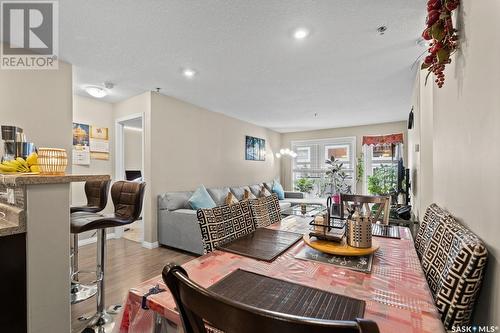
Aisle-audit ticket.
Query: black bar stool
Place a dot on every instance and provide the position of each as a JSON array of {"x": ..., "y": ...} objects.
[
  {"x": 127, "y": 199},
  {"x": 97, "y": 199}
]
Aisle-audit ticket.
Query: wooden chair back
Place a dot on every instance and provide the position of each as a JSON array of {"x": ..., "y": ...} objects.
[
  {"x": 349, "y": 201},
  {"x": 198, "y": 306}
]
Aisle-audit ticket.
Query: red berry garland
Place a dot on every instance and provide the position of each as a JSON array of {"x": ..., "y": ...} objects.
[{"x": 443, "y": 37}]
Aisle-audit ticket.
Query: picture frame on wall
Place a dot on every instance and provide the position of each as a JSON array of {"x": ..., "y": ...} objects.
[{"x": 255, "y": 148}]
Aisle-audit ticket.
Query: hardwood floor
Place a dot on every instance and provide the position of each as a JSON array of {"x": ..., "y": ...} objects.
[{"x": 128, "y": 264}]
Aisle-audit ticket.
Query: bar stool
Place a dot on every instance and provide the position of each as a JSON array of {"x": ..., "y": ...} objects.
[
  {"x": 127, "y": 199},
  {"x": 97, "y": 199}
]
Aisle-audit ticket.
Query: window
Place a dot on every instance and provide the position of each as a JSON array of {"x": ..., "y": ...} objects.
[
  {"x": 310, "y": 163},
  {"x": 381, "y": 162}
]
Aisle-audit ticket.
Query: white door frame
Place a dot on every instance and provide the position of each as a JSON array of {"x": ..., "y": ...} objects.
[{"x": 120, "y": 153}]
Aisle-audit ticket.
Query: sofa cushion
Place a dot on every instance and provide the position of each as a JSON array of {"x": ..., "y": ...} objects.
[
  {"x": 454, "y": 262},
  {"x": 264, "y": 192},
  {"x": 174, "y": 200},
  {"x": 239, "y": 191},
  {"x": 248, "y": 195},
  {"x": 230, "y": 199},
  {"x": 266, "y": 210},
  {"x": 224, "y": 224},
  {"x": 201, "y": 199},
  {"x": 255, "y": 189},
  {"x": 278, "y": 189},
  {"x": 219, "y": 194}
]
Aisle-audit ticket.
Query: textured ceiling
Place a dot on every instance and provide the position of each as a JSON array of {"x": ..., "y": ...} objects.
[{"x": 249, "y": 66}]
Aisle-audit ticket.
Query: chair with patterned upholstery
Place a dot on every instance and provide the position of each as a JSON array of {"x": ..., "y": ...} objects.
[
  {"x": 434, "y": 216},
  {"x": 454, "y": 260},
  {"x": 223, "y": 224},
  {"x": 266, "y": 210}
]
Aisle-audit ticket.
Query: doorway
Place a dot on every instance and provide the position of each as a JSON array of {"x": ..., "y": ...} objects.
[{"x": 129, "y": 164}]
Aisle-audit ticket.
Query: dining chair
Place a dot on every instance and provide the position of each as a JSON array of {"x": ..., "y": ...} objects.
[
  {"x": 454, "y": 261},
  {"x": 223, "y": 224},
  {"x": 199, "y": 307},
  {"x": 266, "y": 210},
  {"x": 349, "y": 201}
]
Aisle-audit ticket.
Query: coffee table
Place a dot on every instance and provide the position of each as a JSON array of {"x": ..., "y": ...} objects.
[{"x": 311, "y": 210}]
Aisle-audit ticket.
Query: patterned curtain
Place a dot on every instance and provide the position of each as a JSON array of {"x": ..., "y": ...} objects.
[{"x": 383, "y": 139}]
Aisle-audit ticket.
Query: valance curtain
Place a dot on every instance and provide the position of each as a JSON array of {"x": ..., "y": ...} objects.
[{"x": 383, "y": 139}]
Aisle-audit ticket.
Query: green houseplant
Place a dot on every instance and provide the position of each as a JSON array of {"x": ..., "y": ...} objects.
[
  {"x": 383, "y": 180},
  {"x": 336, "y": 177},
  {"x": 304, "y": 185}
]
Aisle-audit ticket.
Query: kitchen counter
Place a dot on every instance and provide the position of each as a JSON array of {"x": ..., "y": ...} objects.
[
  {"x": 34, "y": 179},
  {"x": 12, "y": 211},
  {"x": 35, "y": 230},
  {"x": 11, "y": 220}
]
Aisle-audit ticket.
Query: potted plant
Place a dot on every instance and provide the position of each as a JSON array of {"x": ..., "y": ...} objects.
[
  {"x": 304, "y": 185},
  {"x": 336, "y": 179}
]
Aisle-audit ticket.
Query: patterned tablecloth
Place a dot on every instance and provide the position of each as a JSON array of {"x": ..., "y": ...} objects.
[{"x": 396, "y": 293}]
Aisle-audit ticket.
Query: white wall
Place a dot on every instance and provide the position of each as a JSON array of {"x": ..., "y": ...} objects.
[
  {"x": 186, "y": 146},
  {"x": 39, "y": 101},
  {"x": 132, "y": 149},
  {"x": 462, "y": 120},
  {"x": 93, "y": 112},
  {"x": 193, "y": 146},
  {"x": 357, "y": 131}
]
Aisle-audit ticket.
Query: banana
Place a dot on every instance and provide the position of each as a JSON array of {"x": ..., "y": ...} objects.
[
  {"x": 24, "y": 165},
  {"x": 35, "y": 168},
  {"x": 32, "y": 159},
  {"x": 6, "y": 169}
]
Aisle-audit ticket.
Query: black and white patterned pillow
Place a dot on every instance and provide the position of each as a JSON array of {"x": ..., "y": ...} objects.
[
  {"x": 266, "y": 210},
  {"x": 454, "y": 261},
  {"x": 434, "y": 216},
  {"x": 224, "y": 224}
]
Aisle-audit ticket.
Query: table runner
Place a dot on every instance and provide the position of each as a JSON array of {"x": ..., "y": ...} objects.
[
  {"x": 285, "y": 297},
  {"x": 262, "y": 244}
]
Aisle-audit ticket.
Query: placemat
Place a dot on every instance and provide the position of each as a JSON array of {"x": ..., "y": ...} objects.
[
  {"x": 282, "y": 296},
  {"x": 262, "y": 244},
  {"x": 357, "y": 263},
  {"x": 387, "y": 231}
]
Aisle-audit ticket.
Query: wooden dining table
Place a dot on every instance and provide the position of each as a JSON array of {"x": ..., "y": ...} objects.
[{"x": 395, "y": 291}]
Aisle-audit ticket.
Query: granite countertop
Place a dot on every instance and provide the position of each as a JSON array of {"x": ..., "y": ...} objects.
[
  {"x": 12, "y": 220},
  {"x": 31, "y": 179}
]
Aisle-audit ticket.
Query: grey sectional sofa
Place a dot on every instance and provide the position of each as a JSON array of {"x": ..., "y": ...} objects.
[{"x": 177, "y": 221}]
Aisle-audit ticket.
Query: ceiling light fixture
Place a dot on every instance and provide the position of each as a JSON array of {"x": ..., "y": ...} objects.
[
  {"x": 96, "y": 91},
  {"x": 301, "y": 33},
  {"x": 189, "y": 73},
  {"x": 286, "y": 152}
]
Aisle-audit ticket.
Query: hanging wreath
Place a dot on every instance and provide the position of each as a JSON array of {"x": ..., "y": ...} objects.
[{"x": 442, "y": 36}]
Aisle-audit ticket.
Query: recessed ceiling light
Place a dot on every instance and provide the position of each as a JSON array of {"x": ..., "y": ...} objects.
[
  {"x": 188, "y": 72},
  {"x": 382, "y": 29},
  {"x": 301, "y": 33},
  {"x": 96, "y": 91}
]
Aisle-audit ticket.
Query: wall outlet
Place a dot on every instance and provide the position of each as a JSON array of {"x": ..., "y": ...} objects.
[{"x": 417, "y": 147}]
